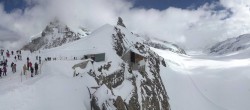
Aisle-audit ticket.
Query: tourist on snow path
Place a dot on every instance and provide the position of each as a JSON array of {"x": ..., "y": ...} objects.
[
  {"x": 12, "y": 52},
  {"x": 2, "y": 52},
  {"x": 1, "y": 72},
  {"x": 15, "y": 58},
  {"x": 31, "y": 70},
  {"x": 11, "y": 65},
  {"x": 4, "y": 71},
  {"x": 14, "y": 68},
  {"x": 30, "y": 65},
  {"x": 39, "y": 59},
  {"x": 8, "y": 54},
  {"x": 36, "y": 68},
  {"x": 24, "y": 69},
  {"x": 6, "y": 62},
  {"x": 28, "y": 62},
  {"x": 28, "y": 59}
]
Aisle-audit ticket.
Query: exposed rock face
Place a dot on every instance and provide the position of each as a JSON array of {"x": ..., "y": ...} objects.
[
  {"x": 148, "y": 91},
  {"x": 119, "y": 104},
  {"x": 55, "y": 34},
  {"x": 120, "y": 22}
]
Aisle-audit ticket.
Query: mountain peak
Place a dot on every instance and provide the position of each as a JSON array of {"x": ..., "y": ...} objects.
[
  {"x": 55, "y": 34},
  {"x": 120, "y": 22}
]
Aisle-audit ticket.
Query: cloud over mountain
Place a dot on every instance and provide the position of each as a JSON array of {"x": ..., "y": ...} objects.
[{"x": 192, "y": 28}]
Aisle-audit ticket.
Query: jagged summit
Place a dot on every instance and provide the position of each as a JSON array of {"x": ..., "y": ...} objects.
[
  {"x": 55, "y": 34},
  {"x": 120, "y": 22}
]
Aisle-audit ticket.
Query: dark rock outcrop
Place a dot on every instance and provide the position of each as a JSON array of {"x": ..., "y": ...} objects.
[{"x": 120, "y": 22}]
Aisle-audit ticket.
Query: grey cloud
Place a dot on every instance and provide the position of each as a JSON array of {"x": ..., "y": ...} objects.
[{"x": 193, "y": 29}]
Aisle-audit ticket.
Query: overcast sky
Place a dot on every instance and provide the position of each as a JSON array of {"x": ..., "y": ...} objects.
[{"x": 194, "y": 25}]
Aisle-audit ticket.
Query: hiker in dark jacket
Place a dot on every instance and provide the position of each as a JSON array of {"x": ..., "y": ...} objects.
[
  {"x": 1, "y": 72},
  {"x": 36, "y": 68},
  {"x": 31, "y": 70},
  {"x": 28, "y": 59},
  {"x": 12, "y": 67},
  {"x": 4, "y": 71}
]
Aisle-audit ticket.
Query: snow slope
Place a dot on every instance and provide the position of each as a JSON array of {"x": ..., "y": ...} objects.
[
  {"x": 231, "y": 45},
  {"x": 207, "y": 83}
]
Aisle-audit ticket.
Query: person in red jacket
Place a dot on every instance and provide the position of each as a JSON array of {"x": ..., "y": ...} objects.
[{"x": 30, "y": 64}]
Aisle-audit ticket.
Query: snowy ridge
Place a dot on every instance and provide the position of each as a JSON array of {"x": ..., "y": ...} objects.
[
  {"x": 231, "y": 45},
  {"x": 55, "y": 34},
  {"x": 118, "y": 85}
]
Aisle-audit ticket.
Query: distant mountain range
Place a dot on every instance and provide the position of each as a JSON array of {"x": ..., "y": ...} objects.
[{"x": 231, "y": 45}]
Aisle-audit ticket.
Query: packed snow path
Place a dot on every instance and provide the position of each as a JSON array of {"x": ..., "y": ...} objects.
[
  {"x": 206, "y": 83},
  {"x": 52, "y": 89}
]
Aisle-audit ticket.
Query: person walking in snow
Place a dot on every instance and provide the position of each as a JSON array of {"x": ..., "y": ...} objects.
[
  {"x": 24, "y": 69},
  {"x": 8, "y": 54},
  {"x": 14, "y": 68},
  {"x": 11, "y": 65},
  {"x": 40, "y": 60},
  {"x": 31, "y": 70},
  {"x": 2, "y": 52},
  {"x": 6, "y": 62},
  {"x": 12, "y": 52},
  {"x": 30, "y": 65},
  {"x": 28, "y": 59},
  {"x": 36, "y": 68},
  {"x": 1, "y": 72},
  {"x": 20, "y": 57},
  {"x": 4, "y": 71},
  {"x": 15, "y": 58}
]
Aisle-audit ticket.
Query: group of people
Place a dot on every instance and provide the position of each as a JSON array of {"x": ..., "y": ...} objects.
[
  {"x": 48, "y": 59},
  {"x": 18, "y": 56},
  {"x": 30, "y": 67},
  {"x": 4, "y": 62}
]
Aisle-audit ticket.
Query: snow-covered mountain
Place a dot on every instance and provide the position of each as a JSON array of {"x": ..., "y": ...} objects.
[
  {"x": 129, "y": 75},
  {"x": 126, "y": 75},
  {"x": 55, "y": 34},
  {"x": 231, "y": 45},
  {"x": 164, "y": 45}
]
